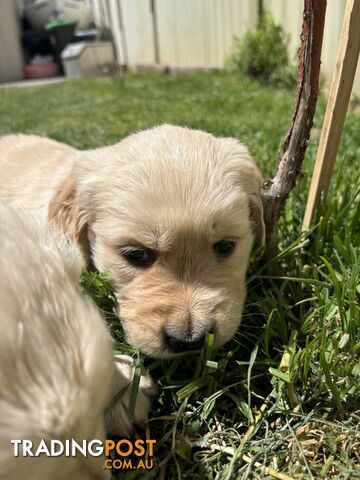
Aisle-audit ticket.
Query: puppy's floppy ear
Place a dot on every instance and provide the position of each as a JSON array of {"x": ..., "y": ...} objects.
[
  {"x": 250, "y": 179},
  {"x": 64, "y": 213}
]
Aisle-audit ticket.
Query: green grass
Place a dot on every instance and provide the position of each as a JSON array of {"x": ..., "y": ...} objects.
[{"x": 310, "y": 426}]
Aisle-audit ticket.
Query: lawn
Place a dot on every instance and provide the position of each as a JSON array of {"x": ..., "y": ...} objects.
[{"x": 282, "y": 399}]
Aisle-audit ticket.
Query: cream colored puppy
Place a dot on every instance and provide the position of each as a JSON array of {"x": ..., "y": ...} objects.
[
  {"x": 57, "y": 371},
  {"x": 171, "y": 213}
]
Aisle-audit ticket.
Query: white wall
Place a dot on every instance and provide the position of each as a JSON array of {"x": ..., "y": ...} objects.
[{"x": 200, "y": 32}]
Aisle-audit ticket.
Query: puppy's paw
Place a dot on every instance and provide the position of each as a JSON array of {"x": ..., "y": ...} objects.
[{"x": 117, "y": 418}]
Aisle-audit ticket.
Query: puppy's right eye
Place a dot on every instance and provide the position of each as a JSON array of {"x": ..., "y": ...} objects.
[
  {"x": 140, "y": 257},
  {"x": 224, "y": 248}
]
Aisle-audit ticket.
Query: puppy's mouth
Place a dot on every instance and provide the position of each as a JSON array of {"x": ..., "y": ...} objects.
[
  {"x": 177, "y": 345},
  {"x": 171, "y": 346}
]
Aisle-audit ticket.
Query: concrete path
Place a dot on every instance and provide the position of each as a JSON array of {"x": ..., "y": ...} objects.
[{"x": 34, "y": 83}]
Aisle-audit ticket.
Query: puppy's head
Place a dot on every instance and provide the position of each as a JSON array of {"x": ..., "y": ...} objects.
[{"x": 172, "y": 214}]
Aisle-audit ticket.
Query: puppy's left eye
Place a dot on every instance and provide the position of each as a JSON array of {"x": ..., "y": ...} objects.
[
  {"x": 140, "y": 257},
  {"x": 224, "y": 248}
]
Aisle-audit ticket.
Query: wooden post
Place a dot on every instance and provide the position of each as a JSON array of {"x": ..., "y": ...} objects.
[
  {"x": 155, "y": 31},
  {"x": 125, "y": 55},
  {"x": 339, "y": 95}
]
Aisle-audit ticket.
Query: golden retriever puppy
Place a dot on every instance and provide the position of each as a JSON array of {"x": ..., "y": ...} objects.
[
  {"x": 57, "y": 370},
  {"x": 171, "y": 213}
]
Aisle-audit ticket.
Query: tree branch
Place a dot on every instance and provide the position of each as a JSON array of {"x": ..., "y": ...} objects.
[{"x": 275, "y": 192}]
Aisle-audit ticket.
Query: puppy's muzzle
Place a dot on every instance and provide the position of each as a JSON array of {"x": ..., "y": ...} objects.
[{"x": 181, "y": 345}]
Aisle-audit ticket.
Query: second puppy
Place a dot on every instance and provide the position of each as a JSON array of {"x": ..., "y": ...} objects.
[{"x": 57, "y": 372}]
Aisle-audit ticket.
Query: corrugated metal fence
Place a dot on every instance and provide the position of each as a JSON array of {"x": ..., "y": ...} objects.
[{"x": 200, "y": 33}]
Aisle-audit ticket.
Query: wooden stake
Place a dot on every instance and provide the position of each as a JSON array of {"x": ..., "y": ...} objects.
[{"x": 339, "y": 95}]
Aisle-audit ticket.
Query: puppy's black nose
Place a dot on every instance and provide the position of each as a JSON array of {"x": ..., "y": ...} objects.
[{"x": 180, "y": 345}]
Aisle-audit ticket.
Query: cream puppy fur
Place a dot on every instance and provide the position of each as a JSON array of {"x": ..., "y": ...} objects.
[
  {"x": 171, "y": 213},
  {"x": 57, "y": 370}
]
